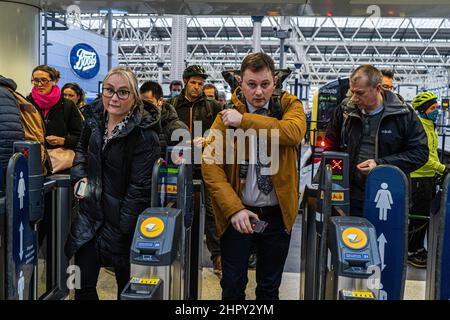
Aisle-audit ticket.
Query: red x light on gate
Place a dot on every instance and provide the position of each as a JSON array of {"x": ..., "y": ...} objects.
[
  {"x": 25, "y": 152},
  {"x": 337, "y": 168},
  {"x": 336, "y": 165}
]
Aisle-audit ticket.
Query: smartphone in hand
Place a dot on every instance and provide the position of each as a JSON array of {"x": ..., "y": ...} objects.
[
  {"x": 81, "y": 190},
  {"x": 258, "y": 226}
]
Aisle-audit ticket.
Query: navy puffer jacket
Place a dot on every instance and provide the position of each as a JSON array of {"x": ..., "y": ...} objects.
[{"x": 10, "y": 126}]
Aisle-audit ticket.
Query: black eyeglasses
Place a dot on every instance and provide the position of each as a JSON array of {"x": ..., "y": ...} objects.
[
  {"x": 121, "y": 93},
  {"x": 36, "y": 81}
]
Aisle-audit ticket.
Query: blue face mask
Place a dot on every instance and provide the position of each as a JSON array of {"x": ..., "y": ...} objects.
[
  {"x": 433, "y": 115},
  {"x": 175, "y": 93}
]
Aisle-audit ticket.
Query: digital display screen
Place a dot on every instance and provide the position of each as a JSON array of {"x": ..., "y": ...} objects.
[{"x": 337, "y": 168}]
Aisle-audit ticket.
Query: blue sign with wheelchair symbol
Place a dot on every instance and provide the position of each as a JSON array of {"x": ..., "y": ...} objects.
[{"x": 386, "y": 207}]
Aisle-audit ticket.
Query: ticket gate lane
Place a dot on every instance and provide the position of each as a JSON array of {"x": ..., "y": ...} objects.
[
  {"x": 311, "y": 202},
  {"x": 438, "y": 271},
  {"x": 324, "y": 214},
  {"x": 332, "y": 266},
  {"x": 172, "y": 186},
  {"x": 386, "y": 207},
  {"x": 21, "y": 218}
]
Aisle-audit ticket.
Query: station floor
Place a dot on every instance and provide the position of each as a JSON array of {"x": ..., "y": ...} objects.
[{"x": 289, "y": 290}]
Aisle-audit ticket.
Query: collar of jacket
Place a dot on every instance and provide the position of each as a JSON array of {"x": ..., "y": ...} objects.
[
  {"x": 392, "y": 106},
  {"x": 145, "y": 115}
]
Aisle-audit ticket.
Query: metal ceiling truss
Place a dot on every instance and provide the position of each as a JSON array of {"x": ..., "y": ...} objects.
[{"x": 326, "y": 47}]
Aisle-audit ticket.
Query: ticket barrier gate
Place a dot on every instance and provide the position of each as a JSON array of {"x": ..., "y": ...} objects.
[
  {"x": 438, "y": 245},
  {"x": 353, "y": 256},
  {"x": 19, "y": 212},
  {"x": 191, "y": 200},
  {"x": 172, "y": 187},
  {"x": 329, "y": 269},
  {"x": 156, "y": 257},
  {"x": 33, "y": 266},
  {"x": 53, "y": 230}
]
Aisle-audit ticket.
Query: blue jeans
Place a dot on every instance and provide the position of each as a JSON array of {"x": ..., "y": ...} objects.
[{"x": 272, "y": 248}]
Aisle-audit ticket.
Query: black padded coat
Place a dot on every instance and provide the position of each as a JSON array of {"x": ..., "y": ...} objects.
[
  {"x": 401, "y": 140},
  {"x": 119, "y": 174},
  {"x": 10, "y": 126}
]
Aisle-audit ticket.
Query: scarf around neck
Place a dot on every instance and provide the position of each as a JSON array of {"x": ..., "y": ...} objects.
[{"x": 46, "y": 101}]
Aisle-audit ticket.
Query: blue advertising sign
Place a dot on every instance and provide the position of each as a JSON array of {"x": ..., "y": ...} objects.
[
  {"x": 386, "y": 207},
  {"x": 84, "y": 61},
  {"x": 21, "y": 238}
]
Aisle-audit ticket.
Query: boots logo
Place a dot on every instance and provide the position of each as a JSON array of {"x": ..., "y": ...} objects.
[{"x": 84, "y": 61}]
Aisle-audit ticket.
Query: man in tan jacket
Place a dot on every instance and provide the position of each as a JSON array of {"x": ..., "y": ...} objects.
[{"x": 255, "y": 185}]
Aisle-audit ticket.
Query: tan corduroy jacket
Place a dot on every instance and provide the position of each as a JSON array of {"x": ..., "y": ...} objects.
[{"x": 223, "y": 181}]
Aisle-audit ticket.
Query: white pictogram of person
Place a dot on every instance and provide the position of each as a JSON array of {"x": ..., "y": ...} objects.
[
  {"x": 383, "y": 199},
  {"x": 21, "y": 285},
  {"x": 21, "y": 190}
]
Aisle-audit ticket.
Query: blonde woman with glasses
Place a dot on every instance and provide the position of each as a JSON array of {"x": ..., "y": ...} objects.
[{"x": 112, "y": 175}]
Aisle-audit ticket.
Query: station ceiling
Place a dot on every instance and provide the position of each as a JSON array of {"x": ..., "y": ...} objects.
[{"x": 337, "y": 8}]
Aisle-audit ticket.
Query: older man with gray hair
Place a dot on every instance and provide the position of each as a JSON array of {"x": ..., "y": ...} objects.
[{"x": 375, "y": 127}]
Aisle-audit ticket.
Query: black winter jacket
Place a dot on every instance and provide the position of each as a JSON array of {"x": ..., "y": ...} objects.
[
  {"x": 119, "y": 175},
  {"x": 169, "y": 123},
  {"x": 63, "y": 120},
  {"x": 401, "y": 139},
  {"x": 10, "y": 126}
]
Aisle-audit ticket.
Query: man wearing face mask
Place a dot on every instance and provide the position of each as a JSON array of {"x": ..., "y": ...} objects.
[
  {"x": 375, "y": 127},
  {"x": 175, "y": 88},
  {"x": 151, "y": 92},
  {"x": 423, "y": 180}
]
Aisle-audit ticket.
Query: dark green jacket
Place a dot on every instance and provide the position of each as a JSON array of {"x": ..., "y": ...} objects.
[{"x": 203, "y": 109}]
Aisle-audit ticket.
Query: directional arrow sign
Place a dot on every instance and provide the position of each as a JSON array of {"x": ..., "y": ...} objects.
[
  {"x": 21, "y": 241},
  {"x": 381, "y": 244}
]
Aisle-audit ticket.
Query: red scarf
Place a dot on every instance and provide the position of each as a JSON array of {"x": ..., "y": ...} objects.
[{"x": 46, "y": 101}]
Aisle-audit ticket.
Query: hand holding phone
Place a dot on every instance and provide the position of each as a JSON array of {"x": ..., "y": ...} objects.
[
  {"x": 258, "y": 226},
  {"x": 81, "y": 188}
]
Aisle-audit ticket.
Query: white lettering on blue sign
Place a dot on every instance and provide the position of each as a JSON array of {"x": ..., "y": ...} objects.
[{"x": 86, "y": 60}]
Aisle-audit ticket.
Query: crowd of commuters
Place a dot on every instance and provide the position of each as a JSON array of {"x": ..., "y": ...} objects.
[{"x": 115, "y": 140}]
